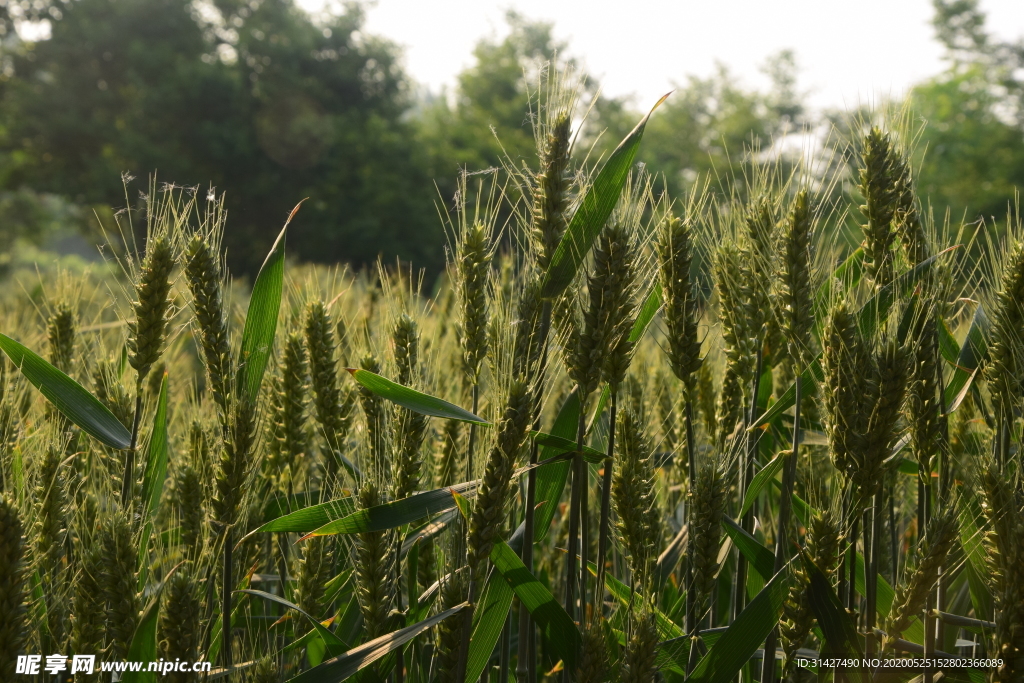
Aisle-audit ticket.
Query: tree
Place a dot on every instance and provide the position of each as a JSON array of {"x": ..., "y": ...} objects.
[{"x": 252, "y": 96}]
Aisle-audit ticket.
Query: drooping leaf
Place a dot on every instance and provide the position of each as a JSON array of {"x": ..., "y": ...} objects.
[
  {"x": 759, "y": 557},
  {"x": 261, "y": 317},
  {"x": 310, "y": 518},
  {"x": 416, "y": 401},
  {"x": 68, "y": 396},
  {"x": 841, "y": 639},
  {"x": 333, "y": 645},
  {"x": 397, "y": 513},
  {"x": 971, "y": 540},
  {"x": 560, "y": 444},
  {"x": 652, "y": 304},
  {"x": 588, "y": 219},
  {"x": 555, "y": 624},
  {"x": 342, "y": 667},
  {"x": 735, "y": 647}
]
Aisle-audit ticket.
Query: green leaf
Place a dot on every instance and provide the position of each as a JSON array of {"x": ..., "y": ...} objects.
[
  {"x": 144, "y": 642},
  {"x": 261, "y": 318},
  {"x": 310, "y": 518},
  {"x": 841, "y": 638},
  {"x": 971, "y": 539},
  {"x": 154, "y": 477},
  {"x": 667, "y": 629},
  {"x": 735, "y": 647},
  {"x": 343, "y": 666},
  {"x": 972, "y": 354},
  {"x": 561, "y": 444},
  {"x": 280, "y": 504},
  {"x": 598, "y": 202},
  {"x": 761, "y": 480},
  {"x": 156, "y": 454},
  {"x": 759, "y": 557},
  {"x": 652, "y": 304},
  {"x": 488, "y": 621},
  {"x": 143, "y": 647},
  {"x": 415, "y": 401},
  {"x": 397, "y": 513},
  {"x": 333, "y": 645},
  {"x": 68, "y": 396},
  {"x": 876, "y": 308},
  {"x": 551, "y": 478},
  {"x": 555, "y": 624}
]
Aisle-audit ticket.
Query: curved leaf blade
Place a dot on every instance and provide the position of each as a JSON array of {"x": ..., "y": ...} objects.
[
  {"x": 741, "y": 640},
  {"x": 598, "y": 202},
  {"x": 348, "y": 664},
  {"x": 261, "y": 317},
  {"x": 310, "y": 518},
  {"x": 397, "y": 513},
  {"x": 68, "y": 396},
  {"x": 488, "y": 622},
  {"x": 416, "y": 401}
]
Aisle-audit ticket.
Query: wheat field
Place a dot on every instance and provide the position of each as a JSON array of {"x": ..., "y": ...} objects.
[{"x": 627, "y": 436}]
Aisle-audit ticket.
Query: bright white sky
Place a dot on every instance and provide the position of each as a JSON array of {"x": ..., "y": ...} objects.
[{"x": 847, "y": 52}]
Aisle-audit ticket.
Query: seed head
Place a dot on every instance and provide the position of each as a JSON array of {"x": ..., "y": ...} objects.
[
  {"x": 180, "y": 626},
  {"x": 473, "y": 264},
  {"x": 492, "y": 497},
  {"x": 14, "y": 627},
  {"x": 203, "y": 273},
  {"x": 639, "y": 661},
  {"x": 912, "y": 594},
  {"x": 879, "y": 184},
  {"x": 633, "y": 492},
  {"x": 551, "y": 191},
  {"x": 681, "y": 312},
  {"x": 118, "y": 582},
  {"x": 375, "y": 568},
  {"x": 60, "y": 332},
  {"x": 147, "y": 333}
]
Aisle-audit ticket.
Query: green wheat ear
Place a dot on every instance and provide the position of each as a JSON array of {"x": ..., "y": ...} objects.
[
  {"x": 708, "y": 497},
  {"x": 633, "y": 492},
  {"x": 912, "y": 593},
  {"x": 879, "y": 185},
  {"x": 205, "y": 281},
  {"x": 179, "y": 626},
  {"x": 411, "y": 427},
  {"x": 313, "y": 574},
  {"x": 492, "y": 496},
  {"x": 374, "y": 568},
  {"x": 1004, "y": 507},
  {"x": 14, "y": 628},
  {"x": 61, "y": 329},
  {"x": 639, "y": 661},
  {"x": 147, "y": 333},
  {"x": 675, "y": 256},
  {"x": 822, "y": 547},
  {"x": 118, "y": 583}
]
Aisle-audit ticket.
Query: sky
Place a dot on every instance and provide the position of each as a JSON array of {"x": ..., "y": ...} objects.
[{"x": 847, "y": 52}]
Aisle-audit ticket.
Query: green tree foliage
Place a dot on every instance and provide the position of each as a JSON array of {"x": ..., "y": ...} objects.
[
  {"x": 253, "y": 96},
  {"x": 971, "y": 150},
  {"x": 483, "y": 121}
]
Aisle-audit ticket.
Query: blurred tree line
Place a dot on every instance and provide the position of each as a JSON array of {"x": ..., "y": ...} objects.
[{"x": 269, "y": 104}]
